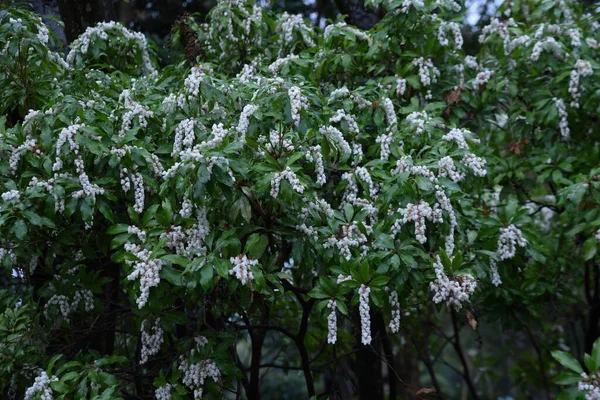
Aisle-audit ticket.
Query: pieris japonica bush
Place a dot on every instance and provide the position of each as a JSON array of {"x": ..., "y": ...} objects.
[{"x": 329, "y": 190}]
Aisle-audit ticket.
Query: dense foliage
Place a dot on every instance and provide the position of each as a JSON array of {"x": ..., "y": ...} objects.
[{"x": 323, "y": 201}]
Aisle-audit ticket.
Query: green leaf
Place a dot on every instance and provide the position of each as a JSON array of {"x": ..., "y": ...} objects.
[
  {"x": 256, "y": 246},
  {"x": 567, "y": 361},
  {"x": 111, "y": 360},
  {"x": 106, "y": 210},
  {"x": 589, "y": 248},
  {"x": 59, "y": 387},
  {"x": 596, "y": 355},
  {"x": 117, "y": 228},
  {"x": 20, "y": 229},
  {"x": 172, "y": 275},
  {"x": 206, "y": 276},
  {"x": 566, "y": 378}
]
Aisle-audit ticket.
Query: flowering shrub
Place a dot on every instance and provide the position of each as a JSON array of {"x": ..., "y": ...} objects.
[{"x": 293, "y": 182}]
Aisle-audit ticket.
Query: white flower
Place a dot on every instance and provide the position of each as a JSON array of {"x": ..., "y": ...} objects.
[
  {"x": 242, "y": 268},
  {"x": 510, "y": 237},
  {"x": 11, "y": 195},
  {"x": 563, "y": 123},
  {"x": 482, "y": 78},
  {"x": 476, "y": 164},
  {"x": 146, "y": 269},
  {"x": 454, "y": 291},
  {"x": 582, "y": 69},
  {"x": 244, "y": 121},
  {"x": 289, "y": 176},
  {"x": 151, "y": 342},
  {"x": 163, "y": 392},
  {"x": 365, "y": 316},
  {"x": 332, "y": 323},
  {"x": 41, "y": 385},
  {"x": 494, "y": 275},
  {"x": 395, "y": 305},
  {"x": 297, "y": 103}
]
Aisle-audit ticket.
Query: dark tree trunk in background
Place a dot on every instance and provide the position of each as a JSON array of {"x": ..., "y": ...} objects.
[
  {"x": 49, "y": 8},
  {"x": 77, "y": 15},
  {"x": 368, "y": 364},
  {"x": 358, "y": 14},
  {"x": 407, "y": 365}
]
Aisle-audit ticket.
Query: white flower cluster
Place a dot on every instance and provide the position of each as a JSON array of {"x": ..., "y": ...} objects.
[
  {"x": 332, "y": 322},
  {"x": 244, "y": 121},
  {"x": 314, "y": 155},
  {"x": 289, "y": 23},
  {"x": 343, "y": 278},
  {"x": 510, "y": 237},
  {"x": 186, "y": 208},
  {"x": 194, "y": 375},
  {"x": 385, "y": 141},
  {"x": 395, "y": 305},
  {"x": 364, "y": 175},
  {"x": 456, "y": 33},
  {"x": 289, "y": 176},
  {"x": 189, "y": 242},
  {"x": 35, "y": 183},
  {"x": 400, "y": 86},
  {"x": 365, "y": 315},
  {"x": 82, "y": 43},
  {"x": 163, "y": 392},
  {"x": 591, "y": 385},
  {"x": 297, "y": 103},
  {"x": 66, "y": 134},
  {"x": 582, "y": 69},
  {"x": 184, "y": 136},
  {"x": 548, "y": 44},
  {"x": 218, "y": 135},
  {"x": 65, "y": 308},
  {"x": 192, "y": 82},
  {"x": 476, "y": 164},
  {"x": 482, "y": 78},
  {"x": 11, "y": 195},
  {"x": 242, "y": 268},
  {"x": 151, "y": 342},
  {"x": 446, "y": 167},
  {"x": 43, "y": 32},
  {"x": 134, "y": 109},
  {"x": 41, "y": 386},
  {"x": 416, "y": 213},
  {"x": 494, "y": 275},
  {"x": 351, "y": 236},
  {"x": 418, "y": 4},
  {"x": 146, "y": 269},
  {"x": 338, "y": 93},
  {"x": 336, "y": 137},
  {"x": 88, "y": 189},
  {"x": 349, "y": 118},
  {"x": 138, "y": 186},
  {"x": 428, "y": 73},
  {"x": 280, "y": 62},
  {"x": 563, "y": 123},
  {"x": 418, "y": 120},
  {"x": 455, "y": 291},
  {"x": 457, "y": 135},
  {"x": 342, "y": 26},
  {"x": 390, "y": 113}
]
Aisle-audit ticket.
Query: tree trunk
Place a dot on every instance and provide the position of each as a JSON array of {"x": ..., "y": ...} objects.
[
  {"x": 49, "y": 8},
  {"x": 358, "y": 14},
  {"x": 368, "y": 366},
  {"x": 77, "y": 15}
]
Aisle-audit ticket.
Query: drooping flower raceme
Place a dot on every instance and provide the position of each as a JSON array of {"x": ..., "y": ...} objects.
[
  {"x": 510, "y": 237},
  {"x": 365, "y": 314},
  {"x": 453, "y": 291},
  {"x": 242, "y": 268}
]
